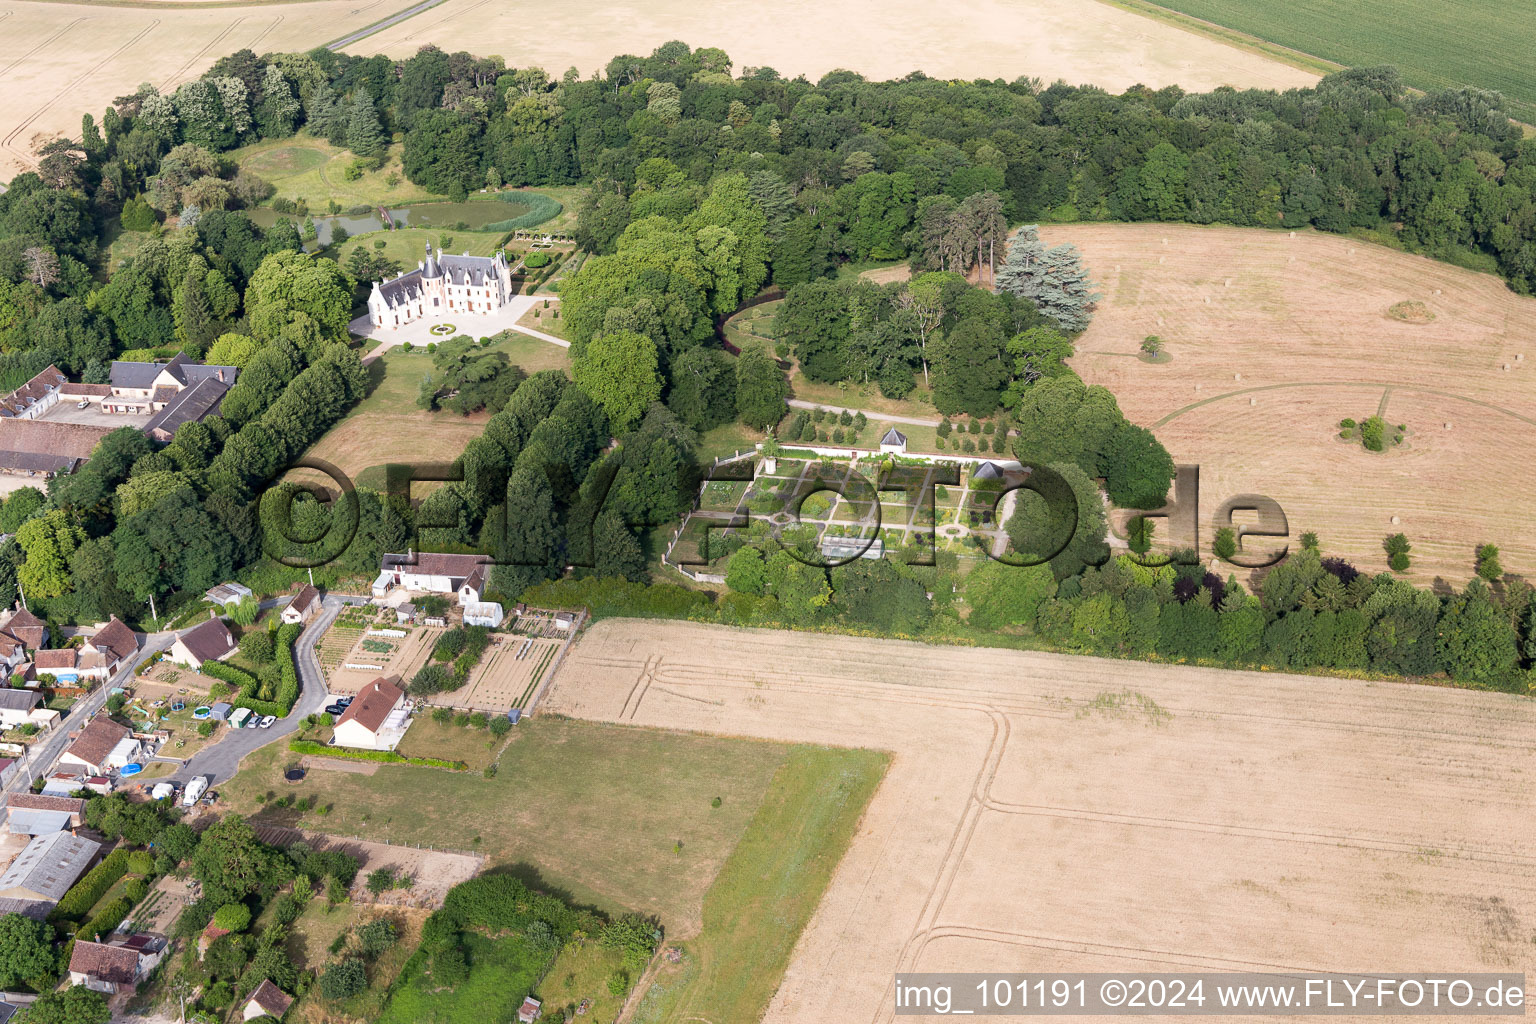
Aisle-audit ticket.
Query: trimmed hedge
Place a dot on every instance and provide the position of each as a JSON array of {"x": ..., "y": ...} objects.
[
  {"x": 83, "y": 895},
  {"x": 247, "y": 685},
  {"x": 383, "y": 756},
  {"x": 106, "y": 919},
  {"x": 540, "y": 209}
]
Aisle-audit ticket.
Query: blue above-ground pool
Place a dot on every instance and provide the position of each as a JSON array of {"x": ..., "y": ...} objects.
[
  {"x": 202, "y": 712},
  {"x": 131, "y": 769}
]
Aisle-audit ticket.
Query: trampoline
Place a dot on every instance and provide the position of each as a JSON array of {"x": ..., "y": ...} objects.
[{"x": 178, "y": 705}]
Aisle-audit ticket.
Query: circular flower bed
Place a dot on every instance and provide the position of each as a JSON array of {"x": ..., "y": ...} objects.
[{"x": 442, "y": 330}]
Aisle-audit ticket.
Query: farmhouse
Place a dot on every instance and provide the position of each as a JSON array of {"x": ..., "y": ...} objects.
[
  {"x": 177, "y": 391},
  {"x": 45, "y": 870},
  {"x": 304, "y": 606},
  {"x": 376, "y": 719},
  {"x": 113, "y": 967},
  {"x": 442, "y": 284},
  {"x": 36, "y": 815},
  {"x": 210, "y": 640},
  {"x": 101, "y": 746},
  {"x": 267, "y": 1001},
  {"x": 464, "y": 575}
]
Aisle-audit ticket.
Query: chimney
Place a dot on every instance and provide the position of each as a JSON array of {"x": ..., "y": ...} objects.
[
  {"x": 221, "y": 374},
  {"x": 213, "y": 613}
]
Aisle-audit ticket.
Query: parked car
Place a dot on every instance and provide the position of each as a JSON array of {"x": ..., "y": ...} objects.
[
  {"x": 266, "y": 723},
  {"x": 253, "y": 722},
  {"x": 82, "y": 403},
  {"x": 335, "y": 709},
  {"x": 344, "y": 702}
]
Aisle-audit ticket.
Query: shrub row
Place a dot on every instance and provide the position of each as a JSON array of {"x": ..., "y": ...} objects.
[
  {"x": 106, "y": 919},
  {"x": 383, "y": 756},
  {"x": 83, "y": 895},
  {"x": 247, "y": 686}
]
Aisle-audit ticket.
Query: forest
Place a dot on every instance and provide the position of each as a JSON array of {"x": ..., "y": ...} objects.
[{"x": 702, "y": 190}]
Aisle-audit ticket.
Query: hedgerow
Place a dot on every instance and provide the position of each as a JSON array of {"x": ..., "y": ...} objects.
[
  {"x": 382, "y": 756},
  {"x": 83, "y": 895}
]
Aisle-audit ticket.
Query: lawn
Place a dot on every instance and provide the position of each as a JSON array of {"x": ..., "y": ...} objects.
[
  {"x": 312, "y": 169},
  {"x": 407, "y": 246},
  {"x": 757, "y": 907},
  {"x": 426, "y": 738},
  {"x": 540, "y": 318},
  {"x": 386, "y": 426},
  {"x": 1481, "y": 43},
  {"x": 595, "y": 812},
  {"x": 501, "y": 965}
]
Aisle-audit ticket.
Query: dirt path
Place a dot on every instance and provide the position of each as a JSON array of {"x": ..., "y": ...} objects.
[{"x": 1046, "y": 812}]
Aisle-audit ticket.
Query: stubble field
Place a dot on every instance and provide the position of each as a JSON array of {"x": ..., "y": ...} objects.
[
  {"x": 1082, "y": 43},
  {"x": 1045, "y": 812},
  {"x": 59, "y": 61},
  {"x": 1273, "y": 339}
]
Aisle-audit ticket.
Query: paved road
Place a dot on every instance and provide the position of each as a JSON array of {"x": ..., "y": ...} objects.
[
  {"x": 222, "y": 759},
  {"x": 41, "y": 757},
  {"x": 379, "y": 26},
  {"x": 873, "y": 417}
]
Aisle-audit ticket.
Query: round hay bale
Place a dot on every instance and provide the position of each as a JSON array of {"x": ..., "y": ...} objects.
[
  {"x": 1253, "y": 401},
  {"x": 1506, "y": 367},
  {"x": 1197, "y": 387},
  {"x": 1207, "y": 300},
  {"x": 1447, "y": 426},
  {"x": 1395, "y": 520},
  {"x": 1237, "y": 376},
  {"x": 1519, "y": 357},
  {"x": 1293, "y": 234}
]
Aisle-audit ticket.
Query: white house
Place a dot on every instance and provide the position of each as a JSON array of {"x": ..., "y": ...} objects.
[
  {"x": 100, "y": 747},
  {"x": 304, "y": 606},
  {"x": 16, "y": 706},
  {"x": 434, "y": 573},
  {"x": 35, "y": 397},
  {"x": 209, "y": 640},
  {"x": 441, "y": 285},
  {"x": 267, "y": 1001},
  {"x": 376, "y": 719},
  {"x": 116, "y": 966}
]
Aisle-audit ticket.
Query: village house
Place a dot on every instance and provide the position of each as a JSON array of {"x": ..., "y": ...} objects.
[
  {"x": 376, "y": 720},
  {"x": 434, "y": 573},
  {"x": 267, "y": 1001},
  {"x": 114, "y": 644},
  {"x": 101, "y": 746},
  {"x": 442, "y": 284},
  {"x": 116, "y": 966},
  {"x": 209, "y": 640},
  {"x": 304, "y": 606},
  {"x": 9, "y": 768},
  {"x": 16, "y": 706},
  {"x": 35, "y": 397},
  {"x": 66, "y": 784},
  {"x": 44, "y": 871},
  {"x": 37, "y": 815},
  {"x": 23, "y": 626}
]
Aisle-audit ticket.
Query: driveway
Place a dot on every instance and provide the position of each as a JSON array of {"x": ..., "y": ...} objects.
[
  {"x": 222, "y": 759},
  {"x": 478, "y": 325},
  {"x": 915, "y": 421}
]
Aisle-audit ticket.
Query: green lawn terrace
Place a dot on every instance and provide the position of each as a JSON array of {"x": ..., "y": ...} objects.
[{"x": 850, "y": 505}]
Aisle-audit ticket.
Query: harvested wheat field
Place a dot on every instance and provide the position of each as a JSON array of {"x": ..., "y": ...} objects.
[
  {"x": 1273, "y": 338},
  {"x": 1084, "y": 43},
  {"x": 1046, "y": 812},
  {"x": 59, "y": 61}
]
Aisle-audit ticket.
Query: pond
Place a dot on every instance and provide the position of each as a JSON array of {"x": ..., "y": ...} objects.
[{"x": 453, "y": 216}]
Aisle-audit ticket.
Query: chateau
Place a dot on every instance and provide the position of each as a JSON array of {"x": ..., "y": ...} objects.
[{"x": 440, "y": 285}]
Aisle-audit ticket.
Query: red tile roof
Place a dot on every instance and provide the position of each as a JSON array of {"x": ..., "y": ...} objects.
[
  {"x": 116, "y": 637},
  {"x": 51, "y": 661},
  {"x": 106, "y": 963},
  {"x": 272, "y": 1000},
  {"x": 97, "y": 740},
  {"x": 372, "y": 704}
]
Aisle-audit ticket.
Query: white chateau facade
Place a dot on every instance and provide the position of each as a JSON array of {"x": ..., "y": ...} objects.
[{"x": 442, "y": 284}]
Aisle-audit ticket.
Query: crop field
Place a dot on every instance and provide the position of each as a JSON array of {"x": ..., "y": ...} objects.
[
  {"x": 1046, "y": 812},
  {"x": 1273, "y": 339},
  {"x": 1050, "y": 39},
  {"x": 1481, "y": 43},
  {"x": 59, "y": 60}
]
